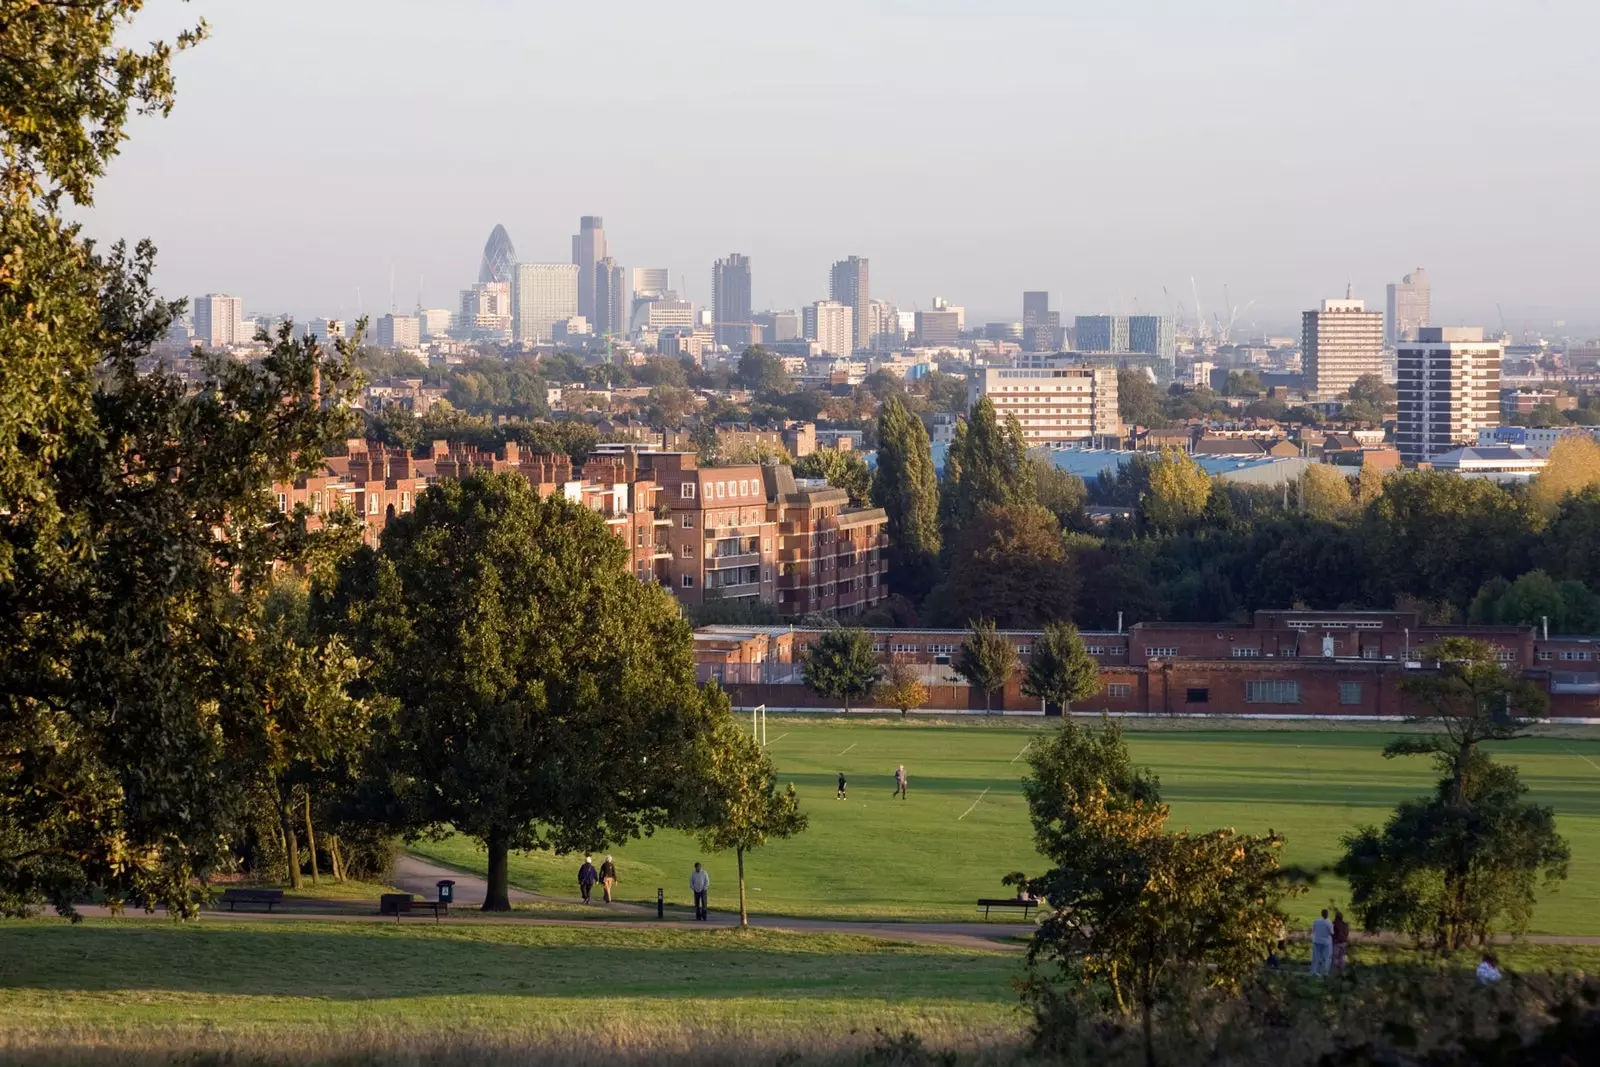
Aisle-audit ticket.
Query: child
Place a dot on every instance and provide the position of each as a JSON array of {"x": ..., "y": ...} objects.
[{"x": 840, "y": 795}]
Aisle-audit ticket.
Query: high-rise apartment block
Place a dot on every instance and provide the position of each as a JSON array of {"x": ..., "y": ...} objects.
[
  {"x": 486, "y": 311},
  {"x": 219, "y": 320},
  {"x": 399, "y": 331},
  {"x": 1100, "y": 333},
  {"x": 883, "y": 326},
  {"x": 434, "y": 322},
  {"x": 940, "y": 325},
  {"x": 832, "y": 325},
  {"x": 1154, "y": 335},
  {"x": 1054, "y": 405},
  {"x": 546, "y": 293},
  {"x": 611, "y": 298},
  {"x": 1410, "y": 305},
  {"x": 1338, "y": 344},
  {"x": 1041, "y": 327},
  {"x": 730, "y": 301},
  {"x": 1449, "y": 388},
  {"x": 588, "y": 249},
  {"x": 847, "y": 284}
]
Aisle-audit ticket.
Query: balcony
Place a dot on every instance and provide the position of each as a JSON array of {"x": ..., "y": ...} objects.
[{"x": 733, "y": 559}]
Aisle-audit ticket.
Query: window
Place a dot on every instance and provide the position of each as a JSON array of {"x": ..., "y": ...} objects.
[
  {"x": 1575, "y": 655},
  {"x": 639, "y": 543},
  {"x": 943, "y": 650},
  {"x": 1544, "y": 655},
  {"x": 686, "y": 490},
  {"x": 1505, "y": 655},
  {"x": 1023, "y": 650},
  {"x": 688, "y": 522},
  {"x": 877, "y": 649},
  {"x": 688, "y": 581},
  {"x": 1272, "y": 692},
  {"x": 1289, "y": 650},
  {"x": 1372, "y": 652},
  {"x": 1197, "y": 696},
  {"x": 405, "y": 501},
  {"x": 1161, "y": 652},
  {"x": 1119, "y": 690},
  {"x": 766, "y": 575},
  {"x": 721, "y": 488},
  {"x": 1095, "y": 650},
  {"x": 1349, "y": 693},
  {"x": 902, "y": 648},
  {"x": 283, "y": 502},
  {"x": 766, "y": 544},
  {"x": 688, "y": 552},
  {"x": 372, "y": 503},
  {"x": 1244, "y": 652},
  {"x": 744, "y": 487}
]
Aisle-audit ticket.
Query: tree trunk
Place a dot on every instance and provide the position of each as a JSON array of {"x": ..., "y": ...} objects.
[
  {"x": 291, "y": 848},
  {"x": 498, "y": 897},
  {"x": 1149, "y": 1036},
  {"x": 311, "y": 839},
  {"x": 335, "y": 859},
  {"x": 744, "y": 913}
]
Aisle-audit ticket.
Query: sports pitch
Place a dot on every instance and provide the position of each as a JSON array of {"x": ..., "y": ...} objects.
[{"x": 965, "y": 823}]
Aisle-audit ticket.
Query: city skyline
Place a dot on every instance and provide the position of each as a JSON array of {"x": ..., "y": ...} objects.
[{"x": 1197, "y": 172}]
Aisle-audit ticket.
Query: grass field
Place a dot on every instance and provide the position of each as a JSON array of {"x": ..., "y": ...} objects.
[{"x": 965, "y": 823}]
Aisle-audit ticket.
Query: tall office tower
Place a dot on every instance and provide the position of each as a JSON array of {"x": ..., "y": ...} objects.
[
  {"x": 883, "y": 326},
  {"x": 399, "y": 331},
  {"x": 651, "y": 282},
  {"x": 588, "y": 249},
  {"x": 499, "y": 258},
  {"x": 1410, "y": 304},
  {"x": 847, "y": 285},
  {"x": 1449, "y": 390},
  {"x": 485, "y": 312},
  {"x": 435, "y": 322},
  {"x": 832, "y": 325},
  {"x": 1154, "y": 335},
  {"x": 1100, "y": 333},
  {"x": 938, "y": 326},
  {"x": 326, "y": 330},
  {"x": 218, "y": 320},
  {"x": 1037, "y": 333},
  {"x": 610, "y": 298},
  {"x": 546, "y": 293},
  {"x": 730, "y": 301},
  {"x": 778, "y": 325},
  {"x": 1053, "y": 404},
  {"x": 1338, "y": 344},
  {"x": 664, "y": 314}
]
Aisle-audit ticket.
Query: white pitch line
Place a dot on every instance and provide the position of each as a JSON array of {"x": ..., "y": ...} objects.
[
  {"x": 1019, "y": 754},
  {"x": 1585, "y": 759},
  {"x": 964, "y": 814},
  {"x": 852, "y": 745},
  {"x": 775, "y": 740}
]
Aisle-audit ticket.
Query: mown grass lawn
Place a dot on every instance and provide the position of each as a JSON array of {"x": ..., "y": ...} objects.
[{"x": 965, "y": 823}]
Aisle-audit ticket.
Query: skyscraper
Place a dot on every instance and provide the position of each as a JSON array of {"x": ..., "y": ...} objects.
[
  {"x": 499, "y": 258},
  {"x": 546, "y": 293},
  {"x": 1449, "y": 388},
  {"x": 730, "y": 301},
  {"x": 831, "y": 324},
  {"x": 218, "y": 320},
  {"x": 1154, "y": 335},
  {"x": 1100, "y": 333},
  {"x": 486, "y": 312},
  {"x": 588, "y": 249},
  {"x": 650, "y": 282},
  {"x": 611, "y": 304},
  {"x": 847, "y": 285},
  {"x": 1338, "y": 344},
  {"x": 1038, "y": 333},
  {"x": 1410, "y": 305}
]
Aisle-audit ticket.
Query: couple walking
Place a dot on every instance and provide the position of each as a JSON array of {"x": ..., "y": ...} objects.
[{"x": 588, "y": 876}]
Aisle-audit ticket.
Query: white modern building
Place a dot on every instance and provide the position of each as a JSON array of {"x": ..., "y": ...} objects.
[
  {"x": 219, "y": 321},
  {"x": 399, "y": 331},
  {"x": 546, "y": 293},
  {"x": 434, "y": 322},
  {"x": 1449, "y": 389},
  {"x": 1506, "y": 464},
  {"x": 1340, "y": 342},
  {"x": 832, "y": 325},
  {"x": 486, "y": 311},
  {"x": 1053, "y": 405},
  {"x": 1536, "y": 439}
]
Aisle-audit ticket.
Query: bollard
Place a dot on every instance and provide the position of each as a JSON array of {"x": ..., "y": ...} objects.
[{"x": 661, "y": 903}]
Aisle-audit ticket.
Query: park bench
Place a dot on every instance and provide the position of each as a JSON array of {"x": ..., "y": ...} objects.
[
  {"x": 269, "y": 897},
  {"x": 1026, "y": 904},
  {"x": 400, "y": 904}
]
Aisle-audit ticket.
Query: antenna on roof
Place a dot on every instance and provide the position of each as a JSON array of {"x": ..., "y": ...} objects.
[{"x": 1349, "y": 290}]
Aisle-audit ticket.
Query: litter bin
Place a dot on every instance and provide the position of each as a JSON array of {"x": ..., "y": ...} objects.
[{"x": 447, "y": 892}]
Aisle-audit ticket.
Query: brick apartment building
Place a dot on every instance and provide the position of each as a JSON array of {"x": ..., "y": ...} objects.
[
  {"x": 1310, "y": 663},
  {"x": 730, "y": 532}
]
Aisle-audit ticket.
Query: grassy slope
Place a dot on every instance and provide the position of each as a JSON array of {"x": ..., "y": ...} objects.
[
  {"x": 250, "y": 976},
  {"x": 929, "y": 857}
]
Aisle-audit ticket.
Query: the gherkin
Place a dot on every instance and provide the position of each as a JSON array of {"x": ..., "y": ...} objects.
[{"x": 499, "y": 258}]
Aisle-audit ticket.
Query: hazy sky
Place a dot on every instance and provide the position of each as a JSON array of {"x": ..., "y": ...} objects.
[{"x": 970, "y": 149}]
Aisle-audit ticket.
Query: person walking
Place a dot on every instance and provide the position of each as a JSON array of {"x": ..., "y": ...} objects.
[
  {"x": 699, "y": 885},
  {"x": 1321, "y": 944},
  {"x": 608, "y": 877},
  {"x": 840, "y": 794},
  {"x": 587, "y": 877},
  {"x": 1489, "y": 969},
  {"x": 900, "y": 782},
  {"x": 1341, "y": 942}
]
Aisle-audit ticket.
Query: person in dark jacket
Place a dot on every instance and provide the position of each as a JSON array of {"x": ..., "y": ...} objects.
[
  {"x": 840, "y": 794},
  {"x": 608, "y": 877},
  {"x": 587, "y": 877}
]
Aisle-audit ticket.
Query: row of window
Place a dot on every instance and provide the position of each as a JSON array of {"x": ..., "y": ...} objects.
[{"x": 721, "y": 490}]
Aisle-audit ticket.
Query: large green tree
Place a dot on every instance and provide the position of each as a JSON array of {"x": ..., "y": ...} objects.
[
  {"x": 986, "y": 466},
  {"x": 841, "y": 470},
  {"x": 1439, "y": 537},
  {"x": 986, "y": 660},
  {"x": 544, "y": 698},
  {"x": 1060, "y": 669},
  {"x": 1008, "y": 565},
  {"x": 841, "y": 665},
  {"x": 907, "y": 488}
]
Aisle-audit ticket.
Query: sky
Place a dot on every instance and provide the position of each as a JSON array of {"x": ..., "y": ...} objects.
[{"x": 1121, "y": 154}]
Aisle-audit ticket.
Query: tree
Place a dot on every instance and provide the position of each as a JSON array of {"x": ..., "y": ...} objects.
[
  {"x": 1061, "y": 493},
  {"x": 1137, "y": 402},
  {"x": 1135, "y": 911},
  {"x": 1008, "y": 565},
  {"x": 842, "y": 470},
  {"x": 1371, "y": 389},
  {"x": 1178, "y": 490},
  {"x": 841, "y": 665},
  {"x": 1243, "y": 383},
  {"x": 740, "y": 805},
  {"x": 544, "y": 697},
  {"x": 669, "y": 405},
  {"x": 986, "y": 466},
  {"x": 1534, "y": 600},
  {"x": 1325, "y": 492},
  {"x": 902, "y": 687},
  {"x": 1060, "y": 669},
  {"x": 907, "y": 488},
  {"x": 1573, "y": 466},
  {"x": 1439, "y": 537},
  {"x": 1567, "y": 548},
  {"x": 762, "y": 372},
  {"x": 946, "y": 392},
  {"x": 986, "y": 660}
]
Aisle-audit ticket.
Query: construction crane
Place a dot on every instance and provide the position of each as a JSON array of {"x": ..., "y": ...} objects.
[{"x": 1200, "y": 331}]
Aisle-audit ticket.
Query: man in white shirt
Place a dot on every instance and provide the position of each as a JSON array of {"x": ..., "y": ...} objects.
[
  {"x": 699, "y": 884},
  {"x": 1321, "y": 944}
]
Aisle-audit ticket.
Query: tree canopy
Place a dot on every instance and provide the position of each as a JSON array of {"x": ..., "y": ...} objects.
[
  {"x": 986, "y": 660},
  {"x": 841, "y": 665},
  {"x": 907, "y": 489}
]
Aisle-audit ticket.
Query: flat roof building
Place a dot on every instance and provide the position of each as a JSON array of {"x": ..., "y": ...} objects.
[
  {"x": 1053, "y": 405},
  {"x": 1449, "y": 390},
  {"x": 1340, "y": 342}
]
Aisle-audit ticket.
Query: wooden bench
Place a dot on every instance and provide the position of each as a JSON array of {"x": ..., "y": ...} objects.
[
  {"x": 269, "y": 897},
  {"x": 399, "y": 904},
  {"x": 1026, "y": 904}
]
